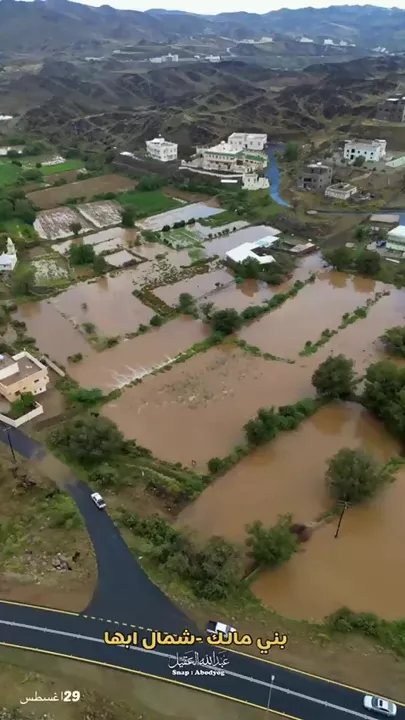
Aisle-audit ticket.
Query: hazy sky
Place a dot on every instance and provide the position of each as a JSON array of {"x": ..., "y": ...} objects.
[{"x": 216, "y": 6}]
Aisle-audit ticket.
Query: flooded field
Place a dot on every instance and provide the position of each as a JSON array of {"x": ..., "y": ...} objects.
[
  {"x": 54, "y": 334},
  {"x": 55, "y": 224},
  {"x": 108, "y": 303},
  {"x": 198, "y": 409},
  {"x": 123, "y": 237},
  {"x": 131, "y": 359},
  {"x": 197, "y": 286},
  {"x": 221, "y": 245},
  {"x": 81, "y": 189},
  {"x": 195, "y": 210},
  {"x": 287, "y": 475},
  {"x": 316, "y": 307},
  {"x": 342, "y": 572},
  {"x": 120, "y": 258},
  {"x": 101, "y": 214}
]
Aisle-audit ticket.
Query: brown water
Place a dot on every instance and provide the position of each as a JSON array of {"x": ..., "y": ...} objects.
[
  {"x": 196, "y": 286},
  {"x": 54, "y": 334},
  {"x": 317, "y": 306},
  {"x": 125, "y": 362},
  {"x": 198, "y": 409},
  {"x": 110, "y": 305}
]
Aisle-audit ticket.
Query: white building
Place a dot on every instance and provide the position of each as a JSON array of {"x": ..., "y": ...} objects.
[
  {"x": 225, "y": 157},
  {"x": 254, "y": 250},
  {"x": 340, "y": 191},
  {"x": 396, "y": 239},
  {"x": 305, "y": 40},
  {"x": 161, "y": 149},
  {"x": 212, "y": 58},
  {"x": 254, "y": 182},
  {"x": 8, "y": 259},
  {"x": 247, "y": 141},
  {"x": 371, "y": 150}
]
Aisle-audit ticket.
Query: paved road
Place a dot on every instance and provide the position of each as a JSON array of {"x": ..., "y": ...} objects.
[
  {"x": 245, "y": 679},
  {"x": 125, "y": 598}
]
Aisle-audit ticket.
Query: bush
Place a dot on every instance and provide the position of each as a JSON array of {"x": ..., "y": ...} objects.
[
  {"x": 335, "y": 378},
  {"x": 156, "y": 320},
  {"x": 89, "y": 440},
  {"x": 81, "y": 254},
  {"x": 394, "y": 340},
  {"x": 225, "y": 321},
  {"x": 273, "y": 546}
]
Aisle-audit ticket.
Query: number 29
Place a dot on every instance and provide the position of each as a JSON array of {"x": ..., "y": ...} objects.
[{"x": 70, "y": 695}]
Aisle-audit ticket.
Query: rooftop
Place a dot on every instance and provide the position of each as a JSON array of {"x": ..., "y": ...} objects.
[
  {"x": 340, "y": 186},
  {"x": 160, "y": 141},
  {"x": 26, "y": 366},
  {"x": 6, "y": 361},
  {"x": 371, "y": 143},
  {"x": 319, "y": 165},
  {"x": 253, "y": 250},
  {"x": 223, "y": 147},
  {"x": 398, "y": 232}
]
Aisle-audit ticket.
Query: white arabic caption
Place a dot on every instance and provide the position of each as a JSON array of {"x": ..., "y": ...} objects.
[{"x": 65, "y": 696}]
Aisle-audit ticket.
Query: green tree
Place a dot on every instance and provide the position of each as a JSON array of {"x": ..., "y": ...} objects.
[
  {"x": 75, "y": 227},
  {"x": 353, "y": 476},
  {"x": 24, "y": 210},
  {"x": 215, "y": 569},
  {"x": 86, "y": 398},
  {"x": 384, "y": 395},
  {"x": 128, "y": 216},
  {"x": 361, "y": 232},
  {"x": 81, "y": 254},
  {"x": 335, "y": 378},
  {"x": 6, "y": 210},
  {"x": 32, "y": 175},
  {"x": 23, "y": 280},
  {"x": 186, "y": 303},
  {"x": 100, "y": 265},
  {"x": 340, "y": 258},
  {"x": 359, "y": 161},
  {"x": 148, "y": 235},
  {"x": 273, "y": 546},
  {"x": 90, "y": 440},
  {"x": 291, "y": 151},
  {"x": 150, "y": 182},
  {"x": 394, "y": 340},
  {"x": 368, "y": 263},
  {"x": 263, "y": 427},
  {"x": 226, "y": 321},
  {"x": 22, "y": 404}
]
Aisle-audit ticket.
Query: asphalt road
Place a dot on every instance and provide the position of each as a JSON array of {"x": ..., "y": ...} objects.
[
  {"x": 125, "y": 598},
  {"x": 245, "y": 679}
]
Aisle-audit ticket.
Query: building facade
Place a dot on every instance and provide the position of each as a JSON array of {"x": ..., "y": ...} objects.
[
  {"x": 315, "y": 177},
  {"x": 258, "y": 250},
  {"x": 371, "y": 150},
  {"x": 340, "y": 191},
  {"x": 224, "y": 157},
  {"x": 8, "y": 259},
  {"x": 254, "y": 182},
  {"x": 392, "y": 110},
  {"x": 161, "y": 149},
  {"x": 248, "y": 141},
  {"x": 396, "y": 239},
  {"x": 22, "y": 373}
]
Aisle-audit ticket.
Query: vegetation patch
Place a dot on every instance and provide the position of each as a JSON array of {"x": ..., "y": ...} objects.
[
  {"x": 147, "y": 203},
  {"x": 67, "y": 165}
]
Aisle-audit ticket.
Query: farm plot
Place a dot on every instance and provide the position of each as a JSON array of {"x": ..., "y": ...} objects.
[
  {"x": 187, "y": 212},
  {"x": 117, "y": 237},
  {"x": 148, "y": 203},
  {"x": 180, "y": 238},
  {"x": 48, "y": 271},
  {"x": 199, "y": 286},
  {"x": 83, "y": 189},
  {"x": 56, "y": 224},
  {"x": 101, "y": 214},
  {"x": 120, "y": 258}
]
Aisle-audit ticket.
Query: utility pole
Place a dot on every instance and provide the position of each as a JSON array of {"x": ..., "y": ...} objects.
[
  {"x": 344, "y": 508},
  {"x": 7, "y": 430},
  {"x": 272, "y": 679}
]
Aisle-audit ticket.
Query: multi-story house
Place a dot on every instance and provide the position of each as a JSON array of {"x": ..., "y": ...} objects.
[
  {"x": 371, "y": 150},
  {"x": 315, "y": 177},
  {"x": 392, "y": 109},
  {"x": 161, "y": 149}
]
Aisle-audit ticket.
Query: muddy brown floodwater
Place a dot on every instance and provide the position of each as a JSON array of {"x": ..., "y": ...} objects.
[
  {"x": 317, "y": 306},
  {"x": 197, "y": 286},
  {"x": 198, "y": 409},
  {"x": 288, "y": 476},
  {"x": 108, "y": 303}
]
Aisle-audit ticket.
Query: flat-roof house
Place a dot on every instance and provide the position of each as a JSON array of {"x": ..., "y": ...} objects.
[
  {"x": 392, "y": 109},
  {"x": 315, "y": 176},
  {"x": 225, "y": 157},
  {"x": 8, "y": 259},
  {"x": 396, "y": 239},
  {"x": 161, "y": 149},
  {"x": 371, "y": 150},
  {"x": 22, "y": 373},
  {"x": 247, "y": 141},
  {"x": 340, "y": 191},
  {"x": 254, "y": 250},
  {"x": 255, "y": 182}
]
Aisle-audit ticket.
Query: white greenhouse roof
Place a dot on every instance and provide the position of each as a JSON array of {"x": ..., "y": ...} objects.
[{"x": 398, "y": 232}]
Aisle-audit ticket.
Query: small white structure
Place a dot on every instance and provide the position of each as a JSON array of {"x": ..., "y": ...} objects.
[
  {"x": 161, "y": 149},
  {"x": 305, "y": 40},
  {"x": 371, "y": 150},
  {"x": 254, "y": 182},
  {"x": 212, "y": 58},
  {"x": 8, "y": 259},
  {"x": 253, "y": 250},
  {"x": 247, "y": 141},
  {"x": 396, "y": 239},
  {"x": 6, "y": 117},
  {"x": 340, "y": 191}
]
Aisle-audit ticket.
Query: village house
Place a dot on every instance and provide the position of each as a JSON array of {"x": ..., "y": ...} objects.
[
  {"x": 8, "y": 259},
  {"x": 340, "y": 191},
  {"x": 161, "y": 149},
  {"x": 315, "y": 177},
  {"x": 371, "y": 150},
  {"x": 392, "y": 110},
  {"x": 257, "y": 250},
  {"x": 396, "y": 239},
  {"x": 255, "y": 182},
  {"x": 248, "y": 141},
  {"x": 224, "y": 157},
  {"x": 22, "y": 373}
]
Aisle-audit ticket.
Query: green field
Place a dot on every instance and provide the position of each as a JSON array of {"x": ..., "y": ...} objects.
[
  {"x": 148, "y": 203},
  {"x": 223, "y": 218},
  {"x": 8, "y": 173},
  {"x": 73, "y": 164}
]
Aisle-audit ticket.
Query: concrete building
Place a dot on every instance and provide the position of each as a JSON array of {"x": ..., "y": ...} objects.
[
  {"x": 254, "y": 182},
  {"x": 224, "y": 157},
  {"x": 8, "y": 259},
  {"x": 248, "y": 141},
  {"x": 340, "y": 191},
  {"x": 257, "y": 250},
  {"x": 371, "y": 150},
  {"x": 396, "y": 239},
  {"x": 22, "y": 373},
  {"x": 161, "y": 149},
  {"x": 392, "y": 109},
  {"x": 315, "y": 176}
]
